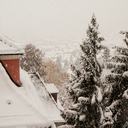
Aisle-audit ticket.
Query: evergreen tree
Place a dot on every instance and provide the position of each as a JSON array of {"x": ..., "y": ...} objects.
[
  {"x": 100, "y": 97},
  {"x": 114, "y": 81},
  {"x": 32, "y": 60},
  {"x": 115, "y": 86},
  {"x": 126, "y": 36},
  {"x": 66, "y": 65},
  {"x": 106, "y": 54},
  {"x": 71, "y": 59},
  {"x": 84, "y": 87},
  {"x": 77, "y": 62},
  {"x": 58, "y": 63}
]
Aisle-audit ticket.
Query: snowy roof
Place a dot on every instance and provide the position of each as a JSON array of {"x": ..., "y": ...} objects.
[
  {"x": 20, "y": 106},
  {"x": 8, "y": 46},
  {"x": 51, "y": 88},
  {"x": 48, "y": 102}
]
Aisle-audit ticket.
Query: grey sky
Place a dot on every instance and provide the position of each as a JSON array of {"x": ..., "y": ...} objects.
[{"x": 25, "y": 19}]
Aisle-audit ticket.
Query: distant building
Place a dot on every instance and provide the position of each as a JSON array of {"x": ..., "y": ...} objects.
[
  {"x": 20, "y": 105},
  {"x": 51, "y": 88}
]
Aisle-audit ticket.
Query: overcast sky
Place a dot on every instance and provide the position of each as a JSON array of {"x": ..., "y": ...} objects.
[{"x": 23, "y": 19}]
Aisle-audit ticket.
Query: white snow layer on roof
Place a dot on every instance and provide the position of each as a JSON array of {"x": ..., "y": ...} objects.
[
  {"x": 51, "y": 88},
  {"x": 8, "y": 46},
  {"x": 48, "y": 102},
  {"x": 20, "y": 106}
]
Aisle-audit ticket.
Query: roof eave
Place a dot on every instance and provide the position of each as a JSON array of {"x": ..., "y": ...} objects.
[{"x": 10, "y": 56}]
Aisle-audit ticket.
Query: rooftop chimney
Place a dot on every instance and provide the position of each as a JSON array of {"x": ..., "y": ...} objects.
[{"x": 10, "y": 53}]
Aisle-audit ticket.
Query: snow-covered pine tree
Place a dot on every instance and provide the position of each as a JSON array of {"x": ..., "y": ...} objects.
[
  {"x": 106, "y": 54},
  {"x": 32, "y": 60},
  {"x": 66, "y": 65},
  {"x": 114, "y": 82},
  {"x": 58, "y": 63},
  {"x": 126, "y": 37},
  {"x": 84, "y": 87}
]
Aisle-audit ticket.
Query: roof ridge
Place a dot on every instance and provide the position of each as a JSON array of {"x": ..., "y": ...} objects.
[{"x": 9, "y": 45}]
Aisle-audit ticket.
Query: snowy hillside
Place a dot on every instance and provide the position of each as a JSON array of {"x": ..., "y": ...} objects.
[{"x": 67, "y": 49}]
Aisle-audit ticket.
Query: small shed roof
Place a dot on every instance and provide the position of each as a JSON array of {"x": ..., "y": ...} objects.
[
  {"x": 8, "y": 46},
  {"x": 51, "y": 88}
]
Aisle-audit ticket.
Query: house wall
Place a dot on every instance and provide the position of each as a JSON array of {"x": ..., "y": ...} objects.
[
  {"x": 59, "y": 124},
  {"x": 54, "y": 95},
  {"x": 12, "y": 68}
]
